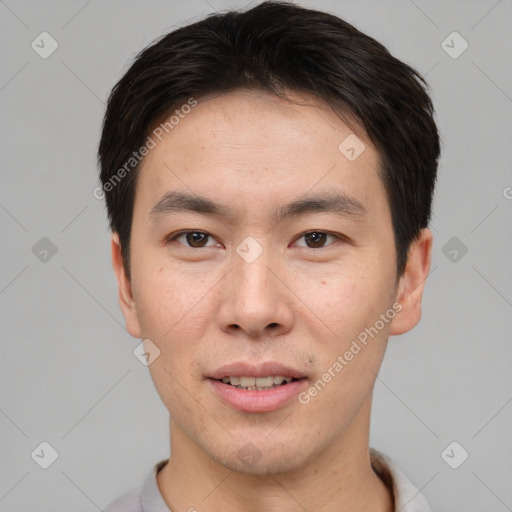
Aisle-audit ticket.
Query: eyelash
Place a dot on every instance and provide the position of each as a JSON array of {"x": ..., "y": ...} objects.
[{"x": 175, "y": 236}]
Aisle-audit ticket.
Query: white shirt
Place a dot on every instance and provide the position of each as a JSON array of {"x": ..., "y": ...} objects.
[{"x": 148, "y": 498}]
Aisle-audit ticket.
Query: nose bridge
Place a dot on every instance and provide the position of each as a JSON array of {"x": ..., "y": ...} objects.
[
  {"x": 253, "y": 278},
  {"x": 256, "y": 299}
]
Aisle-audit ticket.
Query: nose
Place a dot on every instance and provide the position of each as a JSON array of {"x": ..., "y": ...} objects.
[{"x": 256, "y": 299}]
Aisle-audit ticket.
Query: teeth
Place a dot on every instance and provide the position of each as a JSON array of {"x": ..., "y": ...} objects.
[
  {"x": 264, "y": 382},
  {"x": 235, "y": 381},
  {"x": 257, "y": 382},
  {"x": 247, "y": 381}
]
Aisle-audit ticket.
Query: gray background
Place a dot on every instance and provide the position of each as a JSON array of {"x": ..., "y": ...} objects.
[{"x": 68, "y": 375}]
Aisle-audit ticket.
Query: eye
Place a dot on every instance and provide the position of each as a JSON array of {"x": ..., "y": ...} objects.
[
  {"x": 194, "y": 239},
  {"x": 317, "y": 239},
  {"x": 199, "y": 239}
]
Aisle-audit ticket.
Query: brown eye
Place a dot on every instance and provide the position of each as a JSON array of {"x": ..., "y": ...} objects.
[
  {"x": 193, "y": 239},
  {"x": 196, "y": 239},
  {"x": 317, "y": 239}
]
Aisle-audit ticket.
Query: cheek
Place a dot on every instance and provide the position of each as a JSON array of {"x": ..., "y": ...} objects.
[
  {"x": 176, "y": 312},
  {"x": 173, "y": 316},
  {"x": 349, "y": 302},
  {"x": 349, "y": 298},
  {"x": 166, "y": 296}
]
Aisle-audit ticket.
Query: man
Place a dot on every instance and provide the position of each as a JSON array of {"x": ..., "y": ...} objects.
[{"x": 269, "y": 176}]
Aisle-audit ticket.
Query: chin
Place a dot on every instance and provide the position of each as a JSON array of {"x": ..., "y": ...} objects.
[{"x": 261, "y": 459}]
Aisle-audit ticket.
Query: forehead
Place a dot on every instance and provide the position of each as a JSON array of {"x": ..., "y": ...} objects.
[
  {"x": 244, "y": 119},
  {"x": 259, "y": 147}
]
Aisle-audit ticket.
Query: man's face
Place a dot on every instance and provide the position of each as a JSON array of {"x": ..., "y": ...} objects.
[{"x": 255, "y": 288}]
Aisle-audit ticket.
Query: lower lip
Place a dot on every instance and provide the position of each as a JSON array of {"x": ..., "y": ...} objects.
[{"x": 258, "y": 401}]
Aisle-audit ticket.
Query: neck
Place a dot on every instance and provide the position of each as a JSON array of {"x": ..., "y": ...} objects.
[{"x": 339, "y": 477}]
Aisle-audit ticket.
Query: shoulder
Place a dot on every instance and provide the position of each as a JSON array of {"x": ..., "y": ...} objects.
[
  {"x": 145, "y": 498},
  {"x": 129, "y": 502}
]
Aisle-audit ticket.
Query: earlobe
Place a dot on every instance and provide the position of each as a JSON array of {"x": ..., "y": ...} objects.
[
  {"x": 412, "y": 284},
  {"x": 126, "y": 298}
]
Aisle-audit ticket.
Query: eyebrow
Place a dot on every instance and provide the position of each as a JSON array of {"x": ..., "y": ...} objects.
[{"x": 338, "y": 203}]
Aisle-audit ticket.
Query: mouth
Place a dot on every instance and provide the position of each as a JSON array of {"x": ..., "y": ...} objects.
[
  {"x": 257, "y": 394},
  {"x": 257, "y": 387},
  {"x": 258, "y": 383}
]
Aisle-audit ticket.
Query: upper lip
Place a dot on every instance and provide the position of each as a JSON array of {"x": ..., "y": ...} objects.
[{"x": 265, "y": 369}]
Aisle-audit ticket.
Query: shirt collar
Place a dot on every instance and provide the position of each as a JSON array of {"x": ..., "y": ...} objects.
[
  {"x": 407, "y": 497},
  {"x": 152, "y": 499}
]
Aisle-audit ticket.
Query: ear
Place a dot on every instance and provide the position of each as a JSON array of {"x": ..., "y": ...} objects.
[
  {"x": 126, "y": 300},
  {"x": 412, "y": 283}
]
